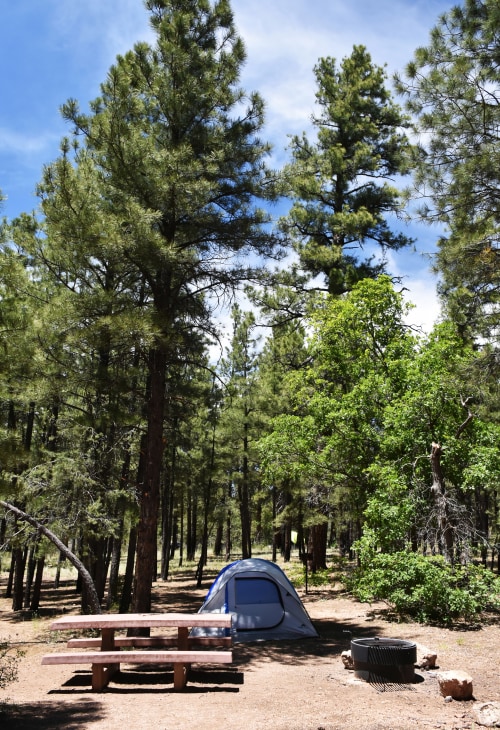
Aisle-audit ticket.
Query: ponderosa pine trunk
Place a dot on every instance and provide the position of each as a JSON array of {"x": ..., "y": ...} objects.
[
  {"x": 149, "y": 489},
  {"x": 318, "y": 535}
]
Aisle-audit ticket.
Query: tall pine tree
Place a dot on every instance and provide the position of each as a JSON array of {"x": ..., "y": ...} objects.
[
  {"x": 173, "y": 142},
  {"x": 342, "y": 183},
  {"x": 452, "y": 86}
]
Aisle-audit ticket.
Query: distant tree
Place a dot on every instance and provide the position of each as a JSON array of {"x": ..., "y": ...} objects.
[
  {"x": 89, "y": 332},
  {"x": 322, "y": 448},
  {"x": 342, "y": 184},
  {"x": 452, "y": 88},
  {"x": 440, "y": 442},
  {"x": 241, "y": 419},
  {"x": 94, "y": 603},
  {"x": 284, "y": 352},
  {"x": 388, "y": 431}
]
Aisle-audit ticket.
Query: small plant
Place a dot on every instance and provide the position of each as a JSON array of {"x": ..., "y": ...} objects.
[
  {"x": 8, "y": 664},
  {"x": 297, "y": 576}
]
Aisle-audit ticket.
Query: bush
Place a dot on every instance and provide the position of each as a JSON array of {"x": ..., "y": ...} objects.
[
  {"x": 8, "y": 664},
  {"x": 425, "y": 588}
]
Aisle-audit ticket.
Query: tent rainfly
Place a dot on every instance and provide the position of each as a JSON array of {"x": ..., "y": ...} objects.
[{"x": 265, "y": 604}]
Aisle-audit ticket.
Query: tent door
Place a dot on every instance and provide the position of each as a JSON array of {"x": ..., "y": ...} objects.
[{"x": 257, "y": 603}]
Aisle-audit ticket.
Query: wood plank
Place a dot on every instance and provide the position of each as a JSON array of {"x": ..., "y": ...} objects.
[
  {"x": 83, "y": 643},
  {"x": 140, "y": 620},
  {"x": 128, "y": 641},
  {"x": 139, "y": 657}
]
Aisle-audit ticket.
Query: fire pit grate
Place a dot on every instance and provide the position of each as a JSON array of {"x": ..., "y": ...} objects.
[{"x": 380, "y": 661}]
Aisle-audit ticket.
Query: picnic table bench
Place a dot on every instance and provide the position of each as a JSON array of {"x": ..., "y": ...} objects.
[{"x": 113, "y": 650}]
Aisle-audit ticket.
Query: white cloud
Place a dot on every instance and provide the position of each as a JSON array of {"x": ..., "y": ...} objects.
[
  {"x": 109, "y": 27},
  {"x": 12, "y": 142}
]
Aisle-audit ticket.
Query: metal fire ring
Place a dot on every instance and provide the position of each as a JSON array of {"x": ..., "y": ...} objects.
[{"x": 381, "y": 660}]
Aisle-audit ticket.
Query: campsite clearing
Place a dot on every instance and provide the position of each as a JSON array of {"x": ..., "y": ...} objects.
[{"x": 275, "y": 685}]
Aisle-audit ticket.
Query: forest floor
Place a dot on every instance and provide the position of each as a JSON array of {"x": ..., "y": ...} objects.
[{"x": 300, "y": 685}]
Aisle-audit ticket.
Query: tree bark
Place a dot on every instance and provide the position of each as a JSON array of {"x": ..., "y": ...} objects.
[
  {"x": 128, "y": 580},
  {"x": 149, "y": 489},
  {"x": 19, "y": 556},
  {"x": 438, "y": 490},
  {"x": 318, "y": 535},
  {"x": 37, "y": 585}
]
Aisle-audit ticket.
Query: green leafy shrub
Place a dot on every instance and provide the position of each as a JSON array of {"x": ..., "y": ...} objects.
[{"x": 425, "y": 588}]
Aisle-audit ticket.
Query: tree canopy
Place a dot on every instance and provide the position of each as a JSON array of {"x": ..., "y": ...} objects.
[
  {"x": 342, "y": 184},
  {"x": 329, "y": 425},
  {"x": 452, "y": 88}
]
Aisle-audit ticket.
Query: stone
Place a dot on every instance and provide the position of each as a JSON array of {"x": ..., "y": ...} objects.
[
  {"x": 426, "y": 658},
  {"x": 455, "y": 683},
  {"x": 347, "y": 659},
  {"x": 426, "y": 661},
  {"x": 487, "y": 713}
]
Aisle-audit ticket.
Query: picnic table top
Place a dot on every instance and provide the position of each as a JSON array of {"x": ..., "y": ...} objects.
[{"x": 137, "y": 620}]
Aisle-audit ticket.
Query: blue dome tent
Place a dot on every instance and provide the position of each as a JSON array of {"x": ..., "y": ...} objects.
[{"x": 265, "y": 604}]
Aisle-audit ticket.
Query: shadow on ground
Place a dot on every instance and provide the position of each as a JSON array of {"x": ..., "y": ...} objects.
[
  {"x": 334, "y": 638},
  {"x": 51, "y": 716},
  {"x": 147, "y": 679}
]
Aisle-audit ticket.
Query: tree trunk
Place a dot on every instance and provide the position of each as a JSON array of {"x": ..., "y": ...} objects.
[
  {"x": 10, "y": 579},
  {"x": 30, "y": 573},
  {"x": 19, "y": 566},
  {"x": 128, "y": 579},
  {"x": 192, "y": 521},
  {"x": 438, "y": 490},
  {"x": 94, "y": 604},
  {"x": 318, "y": 537},
  {"x": 97, "y": 563},
  {"x": 219, "y": 534},
  {"x": 114, "y": 570},
  {"x": 149, "y": 489},
  {"x": 244, "y": 499},
  {"x": 37, "y": 585},
  {"x": 207, "y": 498},
  {"x": 167, "y": 509},
  {"x": 275, "y": 531},
  {"x": 3, "y": 531},
  {"x": 57, "y": 577},
  {"x": 229, "y": 539}
]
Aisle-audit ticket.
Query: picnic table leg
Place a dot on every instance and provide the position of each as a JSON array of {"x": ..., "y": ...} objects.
[
  {"x": 102, "y": 673},
  {"x": 180, "y": 675},
  {"x": 107, "y": 639},
  {"x": 181, "y": 670}
]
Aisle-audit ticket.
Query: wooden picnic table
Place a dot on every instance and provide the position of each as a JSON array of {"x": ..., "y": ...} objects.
[{"x": 106, "y": 661}]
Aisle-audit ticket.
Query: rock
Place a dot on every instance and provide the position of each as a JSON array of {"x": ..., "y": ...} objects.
[
  {"x": 426, "y": 661},
  {"x": 347, "y": 659},
  {"x": 456, "y": 684},
  {"x": 426, "y": 658},
  {"x": 487, "y": 713}
]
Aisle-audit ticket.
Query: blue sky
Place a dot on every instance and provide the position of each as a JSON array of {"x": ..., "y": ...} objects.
[{"x": 57, "y": 49}]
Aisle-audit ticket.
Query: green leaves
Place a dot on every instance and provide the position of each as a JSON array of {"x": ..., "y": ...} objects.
[
  {"x": 426, "y": 588},
  {"x": 452, "y": 86},
  {"x": 339, "y": 184}
]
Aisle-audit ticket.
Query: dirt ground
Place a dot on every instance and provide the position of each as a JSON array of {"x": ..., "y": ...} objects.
[{"x": 299, "y": 685}]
